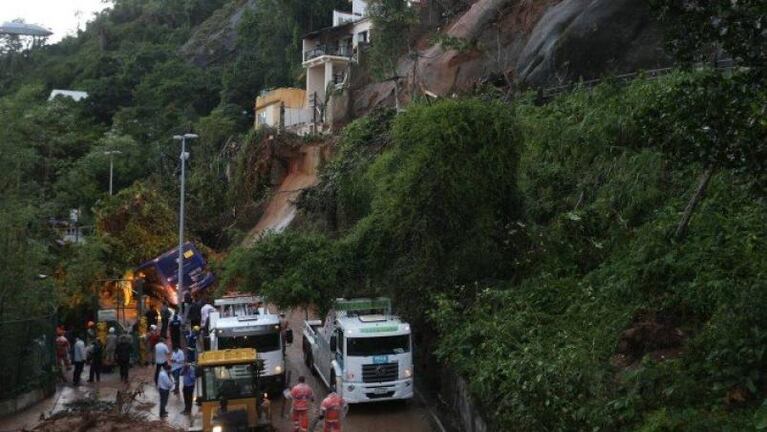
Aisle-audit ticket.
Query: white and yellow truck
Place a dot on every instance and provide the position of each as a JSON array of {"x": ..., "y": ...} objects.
[
  {"x": 245, "y": 321},
  {"x": 361, "y": 350}
]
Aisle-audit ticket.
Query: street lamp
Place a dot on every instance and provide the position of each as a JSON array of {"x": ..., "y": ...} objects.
[
  {"x": 184, "y": 156},
  {"x": 111, "y": 154}
]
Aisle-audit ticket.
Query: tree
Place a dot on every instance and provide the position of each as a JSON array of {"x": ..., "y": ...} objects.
[
  {"x": 291, "y": 269},
  {"x": 694, "y": 27},
  {"x": 391, "y": 35},
  {"x": 136, "y": 225}
]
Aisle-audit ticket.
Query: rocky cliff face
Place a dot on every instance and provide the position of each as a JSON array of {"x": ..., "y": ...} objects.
[
  {"x": 214, "y": 41},
  {"x": 532, "y": 43}
]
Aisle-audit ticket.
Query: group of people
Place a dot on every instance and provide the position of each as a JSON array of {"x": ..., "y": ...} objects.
[
  {"x": 174, "y": 367},
  {"x": 73, "y": 348},
  {"x": 332, "y": 409},
  {"x": 175, "y": 370}
]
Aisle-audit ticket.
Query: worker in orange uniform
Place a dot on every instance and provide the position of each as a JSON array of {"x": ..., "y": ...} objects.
[
  {"x": 302, "y": 396},
  {"x": 332, "y": 410}
]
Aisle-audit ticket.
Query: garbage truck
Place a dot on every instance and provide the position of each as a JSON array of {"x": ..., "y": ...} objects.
[
  {"x": 361, "y": 350},
  {"x": 245, "y": 321}
]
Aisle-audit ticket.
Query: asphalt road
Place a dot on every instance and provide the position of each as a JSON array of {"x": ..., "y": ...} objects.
[{"x": 396, "y": 416}]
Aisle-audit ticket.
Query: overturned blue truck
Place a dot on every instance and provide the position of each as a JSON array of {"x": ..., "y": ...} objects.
[{"x": 160, "y": 274}]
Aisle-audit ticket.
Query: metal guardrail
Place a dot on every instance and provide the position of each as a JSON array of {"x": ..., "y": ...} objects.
[{"x": 546, "y": 94}]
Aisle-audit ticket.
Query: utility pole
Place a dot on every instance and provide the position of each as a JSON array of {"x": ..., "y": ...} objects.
[
  {"x": 111, "y": 154},
  {"x": 184, "y": 156}
]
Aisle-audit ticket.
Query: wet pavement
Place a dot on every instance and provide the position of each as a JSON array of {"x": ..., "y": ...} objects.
[
  {"x": 395, "y": 416},
  {"x": 106, "y": 390}
]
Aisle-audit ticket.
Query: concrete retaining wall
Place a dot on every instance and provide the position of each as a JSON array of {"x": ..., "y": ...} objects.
[
  {"x": 25, "y": 400},
  {"x": 455, "y": 393}
]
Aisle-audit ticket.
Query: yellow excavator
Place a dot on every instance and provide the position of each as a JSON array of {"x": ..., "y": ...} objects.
[{"x": 229, "y": 392}]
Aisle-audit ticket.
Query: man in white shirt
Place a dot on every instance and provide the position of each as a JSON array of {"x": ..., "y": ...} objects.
[
  {"x": 177, "y": 360},
  {"x": 205, "y": 314},
  {"x": 78, "y": 359},
  {"x": 161, "y": 353},
  {"x": 164, "y": 385}
]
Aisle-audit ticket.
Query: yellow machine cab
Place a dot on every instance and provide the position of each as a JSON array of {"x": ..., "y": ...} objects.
[{"x": 231, "y": 376}]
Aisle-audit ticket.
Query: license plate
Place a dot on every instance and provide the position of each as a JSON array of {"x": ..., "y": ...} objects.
[
  {"x": 381, "y": 390},
  {"x": 380, "y": 359}
]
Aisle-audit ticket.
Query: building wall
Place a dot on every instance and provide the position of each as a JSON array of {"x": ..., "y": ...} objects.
[
  {"x": 268, "y": 105},
  {"x": 361, "y": 27},
  {"x": 291, "y": 97},
  {"x": 315, "y": 82},
  {"x": 359, "y": 7}
]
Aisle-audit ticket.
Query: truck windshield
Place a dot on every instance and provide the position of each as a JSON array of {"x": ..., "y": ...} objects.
[
  {"x": 372, "y": 346},
  {"x": 262, "y": 342},
  {"x": 228, "y": 382}
]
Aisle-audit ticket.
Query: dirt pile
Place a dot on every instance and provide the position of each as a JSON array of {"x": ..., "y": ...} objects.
[{"x": 654, "y": 334}]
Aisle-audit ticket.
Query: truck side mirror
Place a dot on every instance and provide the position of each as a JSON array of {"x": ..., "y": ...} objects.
[
  {"x": 289, "y": 336},
  {"x": 333, "y": 344}
]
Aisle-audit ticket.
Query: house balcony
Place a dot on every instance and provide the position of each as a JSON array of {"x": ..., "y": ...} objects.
[{"x": 339, "y": 53}]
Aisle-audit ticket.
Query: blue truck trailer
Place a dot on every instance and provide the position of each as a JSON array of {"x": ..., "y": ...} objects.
[{"x": 161, "y": 273}]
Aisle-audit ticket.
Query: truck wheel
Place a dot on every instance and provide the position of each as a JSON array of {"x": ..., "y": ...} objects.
[{"x": 308, "y": 359}]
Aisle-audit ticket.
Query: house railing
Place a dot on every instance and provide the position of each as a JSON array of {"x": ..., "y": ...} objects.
[{"x": 342, "y": 51}]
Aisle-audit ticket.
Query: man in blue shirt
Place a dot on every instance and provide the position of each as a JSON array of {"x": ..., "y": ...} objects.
[
  {"x": 188, "y": 375},
  {"x": 191, "y": 344}
]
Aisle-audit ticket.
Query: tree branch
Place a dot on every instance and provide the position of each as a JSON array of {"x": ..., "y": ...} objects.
[{"x": 703, "y": 180}]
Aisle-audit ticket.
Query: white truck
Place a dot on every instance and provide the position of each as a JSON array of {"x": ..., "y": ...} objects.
[
  {"x": 246, "y": 322},
  {"x": 362, "y": 351}
]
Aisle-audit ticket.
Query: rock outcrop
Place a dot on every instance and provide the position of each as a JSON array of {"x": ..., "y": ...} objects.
[
  {"x": 215, "y": 40},
  {"x": 532, "y": 43},
  {"x": 585, "y": 39}
]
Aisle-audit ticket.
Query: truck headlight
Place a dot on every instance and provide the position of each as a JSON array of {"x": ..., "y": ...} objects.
[
  {"x": 217, "y": 428},
  {"x": 278, "y": 369},
  {"x": 408, "y": 373}
]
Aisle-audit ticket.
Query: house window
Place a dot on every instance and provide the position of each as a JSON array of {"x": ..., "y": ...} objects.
[
  {"x": 362, "y": 37},
  {"x": 262, "y": 118}
]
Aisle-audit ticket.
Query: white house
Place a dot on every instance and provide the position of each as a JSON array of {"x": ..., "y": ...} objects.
[
  {"x": 327, "y": 57},
  {"x": 77, "y": 96},
  {"x": 328, "y": 52}
]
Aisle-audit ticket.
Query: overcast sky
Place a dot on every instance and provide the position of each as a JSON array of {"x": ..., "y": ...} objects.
[{"x": 57, "y": 15}]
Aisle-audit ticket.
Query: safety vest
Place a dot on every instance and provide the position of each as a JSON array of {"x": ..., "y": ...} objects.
[
  {"x": 333, "y": 406},
  {"x": 302, "y": 395}
]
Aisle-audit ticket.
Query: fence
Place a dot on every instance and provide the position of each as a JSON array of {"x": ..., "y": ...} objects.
[
  {"x": 547, "y": 94},
  {"x": 27, "y": 362},
  {"x": 295, "y": 116}
]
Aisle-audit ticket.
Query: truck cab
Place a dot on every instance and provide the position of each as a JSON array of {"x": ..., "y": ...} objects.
[
  {"x": 246, "y": 322},
  {"x": 232, "y": 375},
  {"x": 362, "y": 351}
]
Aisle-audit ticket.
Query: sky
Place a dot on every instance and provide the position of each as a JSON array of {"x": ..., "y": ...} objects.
[{"x": 57, "y": 15}]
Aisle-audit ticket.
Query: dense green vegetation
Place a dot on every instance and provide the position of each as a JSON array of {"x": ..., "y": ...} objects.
[
  {"x": 542, "y": 242},
  {"x": 142, "y": 89}
]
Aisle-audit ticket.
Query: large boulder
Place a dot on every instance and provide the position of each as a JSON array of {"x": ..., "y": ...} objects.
[
  {"x": 586, "y": 39},
  {"x": 215, "y": 40}
]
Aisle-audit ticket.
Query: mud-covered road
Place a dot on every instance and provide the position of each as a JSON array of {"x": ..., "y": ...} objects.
[{"x": 378, "y": 417}]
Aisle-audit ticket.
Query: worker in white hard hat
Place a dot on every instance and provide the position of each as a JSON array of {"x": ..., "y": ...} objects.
[{"x": 109, "y": 349}]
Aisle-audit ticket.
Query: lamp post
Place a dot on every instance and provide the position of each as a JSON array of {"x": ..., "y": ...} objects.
[
  {"x": 111, "y": 154},
  {"x": 184, "y": 156}
]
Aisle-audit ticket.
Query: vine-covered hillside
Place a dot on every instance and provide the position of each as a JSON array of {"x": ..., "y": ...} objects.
[{"x": 546, "y": 248}]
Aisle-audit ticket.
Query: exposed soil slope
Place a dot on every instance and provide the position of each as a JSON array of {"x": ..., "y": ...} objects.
[{"x": 281, "y": 210}]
